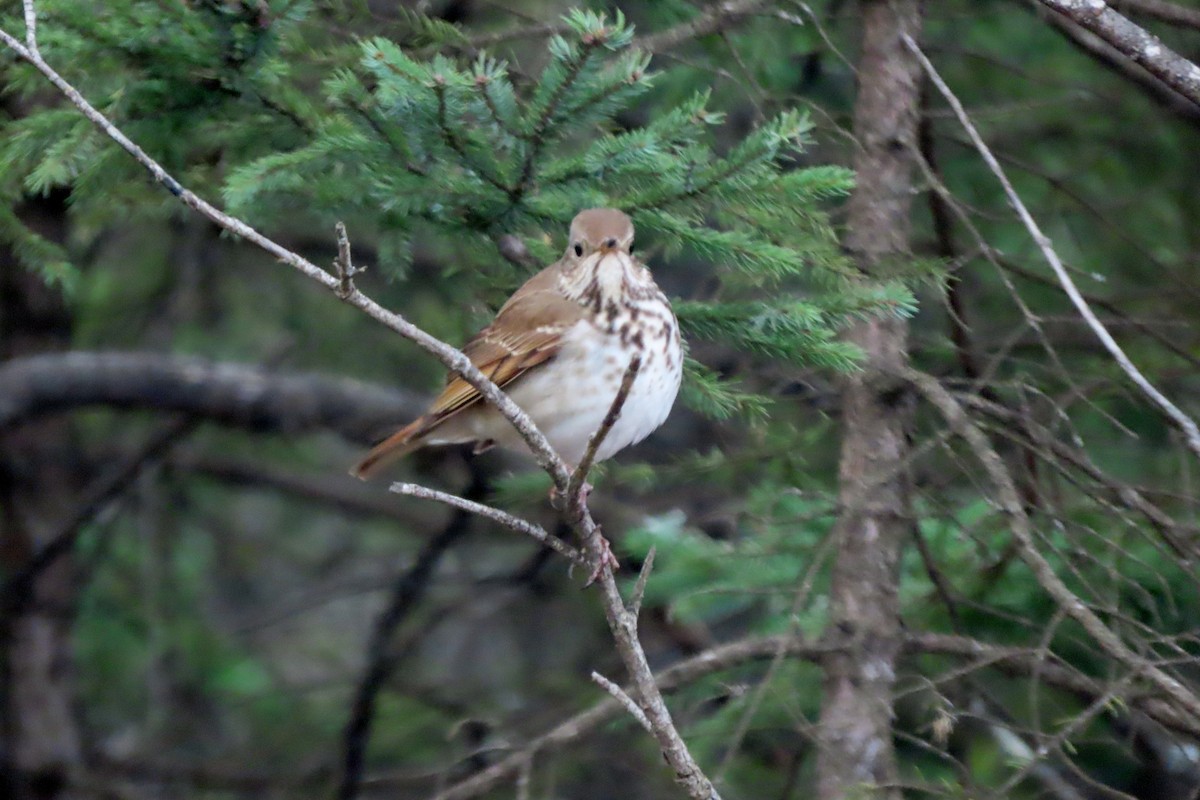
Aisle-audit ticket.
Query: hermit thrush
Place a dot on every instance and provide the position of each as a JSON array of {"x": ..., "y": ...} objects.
[{"x": 560, "y": 347}]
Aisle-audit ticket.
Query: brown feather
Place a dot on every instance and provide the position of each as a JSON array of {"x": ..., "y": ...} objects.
[
  {"x": 526, "y": 333},
  {"x": 400, "y": 443}
]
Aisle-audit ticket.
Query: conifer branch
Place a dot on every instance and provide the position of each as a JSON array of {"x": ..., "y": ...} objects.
[
  {"x": 621, "y": 622},
  {"x": 484, "y": 82},
  {"x": 455, "y": 143},
  {"x": 537, "y": 137},
  {"x": 453, "y": 359}
]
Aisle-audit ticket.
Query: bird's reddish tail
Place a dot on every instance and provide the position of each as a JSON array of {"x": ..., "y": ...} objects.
[{"x": 398, "y": 444}]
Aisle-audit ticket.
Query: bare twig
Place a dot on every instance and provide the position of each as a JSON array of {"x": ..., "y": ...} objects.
[
  {"x": 625, "y": 700},
  {"x": 621, "y": 623},
  {"x": 575, "y": 494},
  {"x": 715, "y": 18},
  {"x": 1015, "y": 661},
  {"x": 1163, "y": 11},
  {"x": 1010, "y": 504},
  {"x": 1185, "y": 423},
  {"x": 524, "y": 776},
  {"x": 644, "y": 689},
  {"x": 453, "y": 359},
  {"x": 574, "y": 728},
  {"x": 1134, "y": 41},
  {"x": 31, "y": 28},
  {"x": 343, "y": 265},
  {"x": 17, "y": 590},
  {"x": 496, "y": 515},
  {"x": 407, "y": 592},
  {"x": 639, "y": 588}
]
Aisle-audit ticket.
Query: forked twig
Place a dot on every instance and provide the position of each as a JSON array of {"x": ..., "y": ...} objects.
[
  {"x": 621, "y": 623},
  {"x": 1186, "y": 424},
  {"x": 343, "y": 265},
  {"x": 625, "y": 700}
]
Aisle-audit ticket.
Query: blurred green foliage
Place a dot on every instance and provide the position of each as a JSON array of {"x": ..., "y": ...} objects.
[{"x": 730, "y": 159}]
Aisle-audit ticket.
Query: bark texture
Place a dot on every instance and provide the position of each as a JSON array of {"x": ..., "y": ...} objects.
[
  {"x": 41, "y": 740},
  {"x": 856, "y": 755},
  {"x": 243, "y": 395}
]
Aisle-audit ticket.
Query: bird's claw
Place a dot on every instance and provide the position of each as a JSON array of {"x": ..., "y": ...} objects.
[
  {"x": 557, "y": 498},
  {"x": 607, "y": 559}
]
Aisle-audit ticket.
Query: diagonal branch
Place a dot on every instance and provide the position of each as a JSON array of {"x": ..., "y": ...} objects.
[
  {"x": 575, "y": 488},
  {"x": 18, "y": 590},
  {"x": 1117, "y": 62},
  {"x": 406, "y": 594},
  {"x": 621, "y": 622},
  {"x": 453, "y": 359},
  {"x": 1134, "y": 41},
  {"x": 1185, "y": 423},
  {"x": 1163, "y": 11},
  {"x": 1010, "y": 505}
]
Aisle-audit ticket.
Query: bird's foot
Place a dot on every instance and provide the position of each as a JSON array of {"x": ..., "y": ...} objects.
[
  {"x": 557, "y": 500},
  {"x": 607, "y": 559}
]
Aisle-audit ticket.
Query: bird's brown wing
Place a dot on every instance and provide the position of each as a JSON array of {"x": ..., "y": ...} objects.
[{"x": 525, "y": 334}]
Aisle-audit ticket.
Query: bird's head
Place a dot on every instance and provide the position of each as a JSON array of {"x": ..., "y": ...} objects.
[
  {"x": 598, "y": 268},
  {"x": 599, "y": 230}
]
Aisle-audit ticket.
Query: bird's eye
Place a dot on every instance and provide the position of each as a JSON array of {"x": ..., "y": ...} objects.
[
  {"x": 578, "y": 249},
  {"x": 631, "y": 247}
]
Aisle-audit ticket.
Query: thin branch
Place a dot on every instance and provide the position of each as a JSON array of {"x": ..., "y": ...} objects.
[
  {"x": 18, "y": 590},
  {"x": 722, "y": 657},
  {"x": 622, "y": 625},
  {"x": 453, "y": 359},
  {"x": 625, "y": 700},
  {"x": 645, "y": 691},
  {"x": 1163, "y": 11},
  {"x": 1136, "y": 42},
  {"x": 1010, "y": 505},
  {"x": 1185, "y": 423},
  {"x": 715, "y": 18},
  {"x": 639, "y": 588},
  {"x": 409, "y": 588},
  {"x": 31, "y": 27},
  {"x": 343, "y": 265},
  {"x": 496, "y": 515},
  {"x": 246, "y": 395},
  {"x": 579, "y": 477},
  {"x": 1012, "y": 661}
]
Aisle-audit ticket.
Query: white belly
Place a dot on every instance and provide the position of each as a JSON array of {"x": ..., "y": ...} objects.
[{"x": 568, "y": 397}]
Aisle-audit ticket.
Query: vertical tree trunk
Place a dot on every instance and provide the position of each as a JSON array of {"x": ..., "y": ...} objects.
[
  {"x": 856, "y": 756},
  {"x": 41, "y": 742}
]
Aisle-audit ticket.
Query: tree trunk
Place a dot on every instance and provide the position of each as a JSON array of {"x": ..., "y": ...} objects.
[
  {"x": 856, "y": 757},
  {"x": 41, "y": 741}
]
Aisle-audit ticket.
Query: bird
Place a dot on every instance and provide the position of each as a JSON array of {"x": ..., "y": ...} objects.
[{"x": 560, "y": 347}]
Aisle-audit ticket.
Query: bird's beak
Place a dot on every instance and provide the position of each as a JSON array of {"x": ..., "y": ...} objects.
[{"x": 608, "y": 246}]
